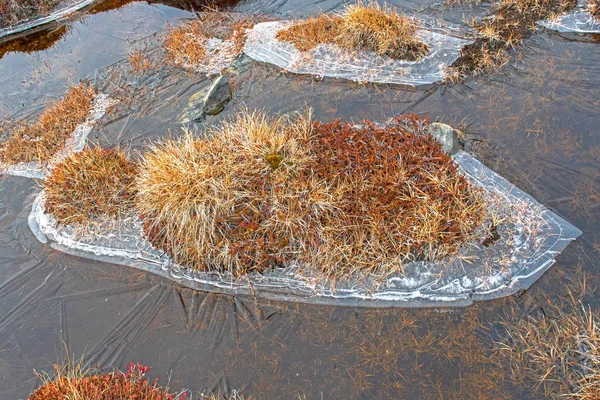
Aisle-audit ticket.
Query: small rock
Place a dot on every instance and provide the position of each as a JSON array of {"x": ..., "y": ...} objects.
[
  {"x": 219, "y": 94},
  {"x": 208, "y": 101},
  {"x": 447, "y": 136}
]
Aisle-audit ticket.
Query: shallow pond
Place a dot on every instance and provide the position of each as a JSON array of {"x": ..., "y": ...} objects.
[{"x": 536, "y": 122}]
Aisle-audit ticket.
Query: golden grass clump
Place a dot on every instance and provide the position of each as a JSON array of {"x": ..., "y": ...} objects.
[
  {"x": 558, "y": 349},
  {"x": 261, "y": 192},
  {"x": 307, "y": 34},
  {"x": 76, "y": 383},
  {"x": 370, "y": 26},
  {"x": 186, "y": 45},
  {"x": 95, "y": 183},
  {"x": 231, "y": 201},
  {"x": 41, "y": 140}
]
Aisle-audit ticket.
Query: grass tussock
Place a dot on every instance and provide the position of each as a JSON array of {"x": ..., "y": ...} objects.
[
  {"x": 187, "y": 44},
  {"x": 41, "y": 140},
  {"x": 512, "y": 22},
  {"x": 76, "y": 383},
  {"x": 261, "y": 192},
  {"x": 370, "y": 27},
  {"x": 559, "y": 349},
  {"x": 13, "y": 12},
  {"x": 92, "y": 184}
]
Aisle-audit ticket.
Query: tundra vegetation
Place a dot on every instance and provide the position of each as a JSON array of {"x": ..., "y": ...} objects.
[
  {"x": 44, "y": 138},
  {"x": 73, "y": 381},
  {"x": 260, "y": 192},
  {"x": 94, "y": 184},
  {"x": 362, "y": 26}
]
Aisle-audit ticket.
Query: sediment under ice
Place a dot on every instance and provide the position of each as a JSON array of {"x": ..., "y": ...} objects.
[
  {"x": 328, "y": 60},
  {"x": 530, "y": 239}
]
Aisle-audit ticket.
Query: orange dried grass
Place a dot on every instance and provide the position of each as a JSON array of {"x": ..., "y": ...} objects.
[
  {"x": 262, "y": 192},
  {"x": 40, "y": 141},
  {"x": 361, "y": 26},
  {"x": 186, "y": 44},
  {"x": 93, "y": 184}
]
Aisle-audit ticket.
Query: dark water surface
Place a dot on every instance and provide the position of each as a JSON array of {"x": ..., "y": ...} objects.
[{"x": 536, "y": 122}]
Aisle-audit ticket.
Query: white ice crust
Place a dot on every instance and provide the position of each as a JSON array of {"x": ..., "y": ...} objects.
[{"x": 329, "y": 60}]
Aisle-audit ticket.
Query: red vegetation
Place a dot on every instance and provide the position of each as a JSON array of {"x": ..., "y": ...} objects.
[{"x": 116, "y": 385}]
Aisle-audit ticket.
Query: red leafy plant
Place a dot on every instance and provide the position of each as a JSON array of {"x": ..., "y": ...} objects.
[{"x": 74, "y": 382}]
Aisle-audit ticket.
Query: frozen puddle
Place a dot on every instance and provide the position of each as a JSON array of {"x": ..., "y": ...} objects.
[
  {"x": 530, "y": 238},
  {"x": 328, "y": 60}
]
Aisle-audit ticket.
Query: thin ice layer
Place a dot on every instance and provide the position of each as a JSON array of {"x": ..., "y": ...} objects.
[
  {"x": 329, "y": 60},
  {"x": 62, "y": 11},
  {"x": 75, "y": 143},
  {"x": 579, "y": 20},
  {"x": 529, "y": 240}
]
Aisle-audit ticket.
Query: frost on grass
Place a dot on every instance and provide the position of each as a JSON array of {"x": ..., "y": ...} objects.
[
  {"x": 287, "y": 208},
  {"x": 32, "y": 149},
  {"x": 364, "y": 48},
  {"x": 209, "y": 43},
  {"x": 585, "y": 18}
]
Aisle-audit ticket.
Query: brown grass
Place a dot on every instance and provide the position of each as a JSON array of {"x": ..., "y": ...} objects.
[
  {"x": 185, "y": 45},
  {"x": 513, "y": 21},
  {"x": 558, "y": 349},
  {"x": 41, "y": 140},
  {"x": 92, "y": 184},
  {"x": 139, "y": 62},
  {"x": 593, "y": 7},
  {"x": 261, "y": 192},
  {"x": 361, "y": 26},
  {"x": 14, "y": 12},
  {"x": 73, "y": 382}
]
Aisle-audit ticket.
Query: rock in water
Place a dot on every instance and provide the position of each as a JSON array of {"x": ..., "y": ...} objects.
[
  {"x": 218, "y": 96},
  {"x": 447, "y": 136},
  {"x": 208, "y": 101}
]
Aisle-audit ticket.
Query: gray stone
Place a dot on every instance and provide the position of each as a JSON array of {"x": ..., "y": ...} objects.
[
  {"x": 219, "y": 94},
  {"x": 447, "y": 136},
  {"x": 208, "y": 101}
]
